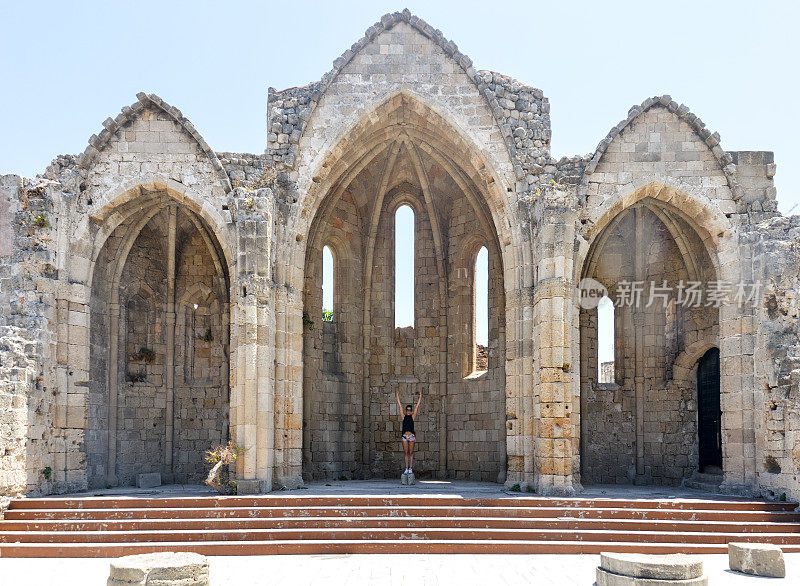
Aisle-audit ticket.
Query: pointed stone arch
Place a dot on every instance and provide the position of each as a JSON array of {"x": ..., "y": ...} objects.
[
  {"x": 402, "y": 152},
  {"x": 685, "y": 216}
]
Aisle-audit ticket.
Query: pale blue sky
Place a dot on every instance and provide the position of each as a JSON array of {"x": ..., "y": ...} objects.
[{"x": 68, "y": 66}]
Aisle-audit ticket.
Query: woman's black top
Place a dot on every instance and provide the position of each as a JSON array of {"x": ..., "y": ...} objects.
[{"x": 408, "y": 424}]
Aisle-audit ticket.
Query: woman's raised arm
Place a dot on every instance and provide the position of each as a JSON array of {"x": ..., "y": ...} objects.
[{"x": 416, "y": 408}]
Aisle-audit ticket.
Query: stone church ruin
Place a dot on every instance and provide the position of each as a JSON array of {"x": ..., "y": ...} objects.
[{"x": 158, "y": 297}]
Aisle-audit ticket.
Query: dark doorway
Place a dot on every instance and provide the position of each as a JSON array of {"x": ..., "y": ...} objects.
[{"x": 709, "y": 416}]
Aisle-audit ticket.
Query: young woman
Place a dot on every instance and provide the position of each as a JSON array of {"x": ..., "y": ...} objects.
[{"x": 407, "y": 435}]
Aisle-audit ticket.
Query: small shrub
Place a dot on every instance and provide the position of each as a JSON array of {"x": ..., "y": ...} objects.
[
  {"x": 516, "y": 488},
  {"x": 327, "y": 315},
  {"x": 47, "y": 472},
  {"x": 307, "y": 321},
  {"x": 218, "y": 478},
  {"x": 40, "y": 221},
  {"x": 782, "y": 497}
]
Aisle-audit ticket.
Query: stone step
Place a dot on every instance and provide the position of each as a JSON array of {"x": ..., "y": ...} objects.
[
  {"x": 621, "y": 525},
  {"x": 377, "y": 533},
  {"x": 293, "y": 501},
  {"x": 406, "y": 546},
  {"x": 113, "y": 527},
  {"x": 748, "y": 516}
]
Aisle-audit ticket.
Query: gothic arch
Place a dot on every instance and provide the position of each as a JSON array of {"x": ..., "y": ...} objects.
[
  {"x": 370, "y": 136},
  {"x": 143, "y": 198},
  {"x": 450, "y": 49},
  {"x": 391, "y": 159}
]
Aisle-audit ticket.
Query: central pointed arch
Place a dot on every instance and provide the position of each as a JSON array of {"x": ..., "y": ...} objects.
[{"x": 402, "y": 153}]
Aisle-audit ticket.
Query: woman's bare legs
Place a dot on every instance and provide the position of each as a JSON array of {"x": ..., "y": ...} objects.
[
  {"x": 407, "y": 447},
  {"x": 410, "y": 455}
]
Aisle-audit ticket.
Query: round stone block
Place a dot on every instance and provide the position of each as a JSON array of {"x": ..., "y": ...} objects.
[
  {"x": 159, "y": 569},
  {"x": 758, "y": 559}
]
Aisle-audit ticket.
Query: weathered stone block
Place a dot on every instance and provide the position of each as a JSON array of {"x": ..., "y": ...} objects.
[
  {"x": 408, "y": 479},
  {"x": 604, "y": 578},
  {"x": 148, "y": 480},
  {"x": 662, "y": 567},
  {"x": 161, "y": 569},
  {"x": 758, "y": 559},
  {"x": 249, "y": 487}
]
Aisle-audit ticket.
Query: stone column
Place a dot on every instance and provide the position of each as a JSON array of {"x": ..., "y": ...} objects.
[
  {"x": 552, "y": 412},
  {"x": 253, "y": 336},
  {"x": 113, "y": 384},
  {"x": 169, "y": 367},
  {"x": 638, "y": 318},
  {"x": 554, "y": 316}
]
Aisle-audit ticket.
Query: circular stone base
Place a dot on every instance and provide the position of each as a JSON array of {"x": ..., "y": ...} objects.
[{"x": 159, "y": 569}]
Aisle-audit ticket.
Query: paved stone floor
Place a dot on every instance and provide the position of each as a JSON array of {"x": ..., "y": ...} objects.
[
  {"x": 381, "y": 570},
  {"x": 466, "y": 489}
]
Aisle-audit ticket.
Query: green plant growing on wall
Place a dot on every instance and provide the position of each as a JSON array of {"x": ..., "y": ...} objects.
[
  {"x": 47, "y": 472},
  {"x": 307, "y": 321},
  {"x": 40, "y": 221},
  {"x": 327, "y": 315},
  {"x": 219, "y": 477}
]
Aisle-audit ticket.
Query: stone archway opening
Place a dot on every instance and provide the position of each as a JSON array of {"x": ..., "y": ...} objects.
[
  {"x": 638, "y": 418},
  {"x": 356, "y": 363},
  {"x": 159, "y": 346}
]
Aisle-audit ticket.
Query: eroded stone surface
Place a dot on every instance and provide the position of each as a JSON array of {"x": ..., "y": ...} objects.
[
  {"x": 759, "y": 559},
  {"x": 159, "y": 569},
  {"x": 604, "y": 578},
  {"x": 149, "y": 480},
  {"x": 664, "y": 567}
]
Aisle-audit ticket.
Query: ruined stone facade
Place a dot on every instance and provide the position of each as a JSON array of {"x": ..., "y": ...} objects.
[{"x": 158, "y": 297}]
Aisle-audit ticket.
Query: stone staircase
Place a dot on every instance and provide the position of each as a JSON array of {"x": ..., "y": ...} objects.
[{"x": 257, "y": 525}]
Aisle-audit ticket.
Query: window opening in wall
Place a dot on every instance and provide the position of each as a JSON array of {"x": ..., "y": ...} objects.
[
  {"x": 404, "y": 267},
  {"x": 605, "y": 340},
  {"x": 327, "y": 284},
  {"x": 481, "y": 316}
]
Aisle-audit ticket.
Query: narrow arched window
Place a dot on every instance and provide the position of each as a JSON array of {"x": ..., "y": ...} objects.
[
  {"x": 605, "y": 340},
  {"x": 327, "y": 284},
  {"x": 481, "y": 311},
  {"x": 404, "y": 267}
]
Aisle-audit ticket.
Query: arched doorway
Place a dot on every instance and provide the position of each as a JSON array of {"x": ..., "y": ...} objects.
[
  {"x": 159, "y": 346},
  {"x": 709, "y": 415},
  {"x": 378, "y": 344}
]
